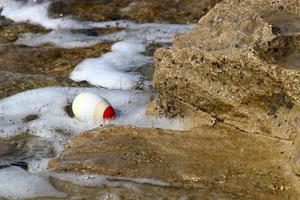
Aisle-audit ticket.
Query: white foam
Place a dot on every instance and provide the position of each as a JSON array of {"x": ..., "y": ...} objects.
[
  {"x": 111, "y": 69},
  {"x": 61, "y": 38},
  {"x": 16, "y": 183},
  {"x": 49, "y": 104},
  {"x": 159, "y": 33},
  {"x": 97, "y": 180},
  {"x": 36, "y": 13}
]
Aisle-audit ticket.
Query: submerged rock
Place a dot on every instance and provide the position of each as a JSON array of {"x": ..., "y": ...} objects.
[
  {"x": 206, "y": 161},
  {"x": 24, "y": 68},
  {"x": 232, "y": 67},
  {"x": 19, "y": 150},
  {"x": 10, "y": 31},
  {"x": 169, "y": 11},
  {"x": 46, "y": 60},
  {"x": 12, "y": 83}
]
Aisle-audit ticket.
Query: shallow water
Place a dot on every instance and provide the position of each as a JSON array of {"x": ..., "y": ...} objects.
[{"x": 35, "y": 125}]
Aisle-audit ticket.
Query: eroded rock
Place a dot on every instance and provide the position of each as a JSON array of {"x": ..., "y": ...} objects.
[
  {"x": 215, "y": 161},
  {"x": 231, "y": 67}
]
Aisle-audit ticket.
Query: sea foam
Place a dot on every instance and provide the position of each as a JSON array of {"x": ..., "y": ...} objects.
[
  {"x": 35, "y": 13},
  {"x": 111, "y": 69},
  {"x": 16, "y": 183},
  {"x": 49, "y": 104},
  {"x": 63, "y": 38}
]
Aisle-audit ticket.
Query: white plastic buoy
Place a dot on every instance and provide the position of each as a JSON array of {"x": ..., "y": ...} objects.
[{"x": 91, "y": 107}]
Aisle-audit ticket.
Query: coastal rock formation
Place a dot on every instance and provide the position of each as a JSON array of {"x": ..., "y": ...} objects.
[
  {"x": 212, "y": 162},
  {"x": 239, "y": 66}
]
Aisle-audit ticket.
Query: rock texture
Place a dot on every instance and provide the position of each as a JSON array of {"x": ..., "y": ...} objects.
[
  {"x": 47, "y": 60},
  {"x": 207, "y": 162},
  {"x": 10, "y": 31},
  {"x": 24, "y": 68},
  {"x": 18, "y": 150},
  {"x": 295, "y": 161},
  {"x": 236, "y": 67},
  {"x": 168, "y": 11}
]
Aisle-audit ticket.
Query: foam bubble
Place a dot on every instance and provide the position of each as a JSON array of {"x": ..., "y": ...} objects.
[
  {"x": 159, "y": 33},
  {"x": 61, "y": 38},
  {"x": 35, "y": 13},
  {"x": 16, "y": 183},
  {"x": 53, "y": 122},
  {"x": 111, "y": 69}
]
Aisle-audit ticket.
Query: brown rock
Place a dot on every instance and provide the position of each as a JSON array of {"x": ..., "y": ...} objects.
[
  {"x": 46, "y": 60},
  {"x": 221, "y": 161},
  {"x": 19, "y": 149},
  {"x": 12, "y": 83},
  {"x": 24, "y": 68},
  {"x": 295, "y": 161},
  {"x": 168, "y": 11},
  {"x": 9, "y": 31},
  {"x": 233, "y": 67}
]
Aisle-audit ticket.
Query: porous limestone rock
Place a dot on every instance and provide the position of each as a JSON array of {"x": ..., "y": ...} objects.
[{"x": 239, "y": 65}]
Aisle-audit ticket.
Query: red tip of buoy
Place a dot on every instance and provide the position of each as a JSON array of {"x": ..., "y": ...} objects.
[{"x": 109, "y": 113}]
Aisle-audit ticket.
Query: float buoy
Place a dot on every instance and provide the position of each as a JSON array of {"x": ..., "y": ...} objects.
[{"x": 91, "y": 107}]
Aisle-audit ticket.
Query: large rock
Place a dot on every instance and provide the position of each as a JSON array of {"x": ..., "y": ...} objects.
[
  {"x": 239, "y": 66},
  {"x": 207, "y": 162}
]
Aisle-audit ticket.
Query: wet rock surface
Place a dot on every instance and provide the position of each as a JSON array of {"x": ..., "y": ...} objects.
[
  {"x": 10, "y": 31},
  {"x": 24, "y": 68},
  {"x": 13, "y": 83},
  {"x": 187, "y": 11},
  {"x": 19, "y": 150},
  {"x": 232, "y": 67},
  {"x": 46, "y": 60},
  {"x": 202, "y": 161}
]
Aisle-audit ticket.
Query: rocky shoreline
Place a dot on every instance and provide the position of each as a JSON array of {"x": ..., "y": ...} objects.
[
  {"x": 233, "y": 80},
  {"x": 229, "y": 78}
]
